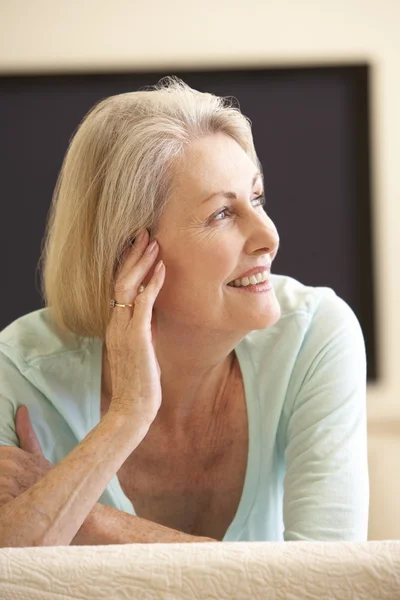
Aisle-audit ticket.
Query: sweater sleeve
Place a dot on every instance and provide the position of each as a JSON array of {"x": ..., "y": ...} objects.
[
  {"x": 326, "y": 487},
  {"x": 13, "y": 390}
]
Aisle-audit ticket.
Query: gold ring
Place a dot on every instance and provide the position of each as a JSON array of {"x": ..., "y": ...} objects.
[{"x": 114, "y": 303}]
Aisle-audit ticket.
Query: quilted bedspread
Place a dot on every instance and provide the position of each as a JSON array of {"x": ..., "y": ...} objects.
[{"x": 288, "y": 570}]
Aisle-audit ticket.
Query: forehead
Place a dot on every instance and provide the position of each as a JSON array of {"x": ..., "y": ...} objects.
[{"x": 210, "y": 164}]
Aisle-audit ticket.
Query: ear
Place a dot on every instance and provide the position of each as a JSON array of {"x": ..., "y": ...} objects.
[{"x": 26, "y": 435}]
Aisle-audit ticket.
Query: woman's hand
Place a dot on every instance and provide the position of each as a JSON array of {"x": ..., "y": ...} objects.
[
  {"x": 130, "y": 336},
  {"x": 21, "y": 468}
]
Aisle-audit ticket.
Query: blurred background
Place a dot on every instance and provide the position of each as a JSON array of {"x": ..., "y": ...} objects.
[{"x": 320, "y": 78}]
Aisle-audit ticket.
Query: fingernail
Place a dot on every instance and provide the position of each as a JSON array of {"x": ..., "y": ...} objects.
[
  {"x": 151, "y": 247},
  {"x": 158, "y": 267}
]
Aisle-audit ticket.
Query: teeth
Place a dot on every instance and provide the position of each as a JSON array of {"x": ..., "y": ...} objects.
[{"x": 252, "y": 280}]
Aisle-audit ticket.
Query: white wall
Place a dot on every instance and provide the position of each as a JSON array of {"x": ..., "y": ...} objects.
[{"x": 72, "y": 35}]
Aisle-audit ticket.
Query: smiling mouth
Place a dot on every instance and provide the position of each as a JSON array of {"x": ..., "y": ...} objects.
[{"x": 252, "y": 280}]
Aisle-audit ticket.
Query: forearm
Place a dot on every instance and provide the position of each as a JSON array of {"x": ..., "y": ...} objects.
[
  {"x": 105, "y": 525},
  {"x": 52, "y": 511}
]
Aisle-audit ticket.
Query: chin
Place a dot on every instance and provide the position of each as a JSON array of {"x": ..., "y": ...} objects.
[{"x": 265, "y": 318}]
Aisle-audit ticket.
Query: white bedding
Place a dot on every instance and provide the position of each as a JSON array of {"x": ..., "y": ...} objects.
[{"x": 289, "y": 570}]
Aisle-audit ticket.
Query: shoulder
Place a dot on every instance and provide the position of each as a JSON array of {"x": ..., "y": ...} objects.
[
  {"x": 35, "y": 337},
  {"x": 53, "y": 375},
  {"x": 314, "y": 322},
  {"x": 298, "y": 300},
  {"x": 37, "y": 359},
  {"x": 304, "y": 310},
  {"x": 315, "y": 351},
  {"x": 316, "y": 312}
]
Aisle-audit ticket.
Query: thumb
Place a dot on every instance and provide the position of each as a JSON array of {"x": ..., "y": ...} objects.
[{"x": 24, "y": 430}]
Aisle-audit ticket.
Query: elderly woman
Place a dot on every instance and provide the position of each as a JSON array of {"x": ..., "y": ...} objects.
[{"x": 173, "y": 389}]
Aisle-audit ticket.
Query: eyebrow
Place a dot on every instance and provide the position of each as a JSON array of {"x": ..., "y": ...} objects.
[{"x": 232, "y": 195}]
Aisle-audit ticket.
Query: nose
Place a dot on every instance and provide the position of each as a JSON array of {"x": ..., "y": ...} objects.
[{"x": 262, "y": 236}]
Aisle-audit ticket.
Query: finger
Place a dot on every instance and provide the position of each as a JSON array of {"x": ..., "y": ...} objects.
[
  {"x": 133, "y": 253},
  {"x": 26, "y": 435},
  {"x": 144, "y": 302},
  {"x": 128, "y": 282}
]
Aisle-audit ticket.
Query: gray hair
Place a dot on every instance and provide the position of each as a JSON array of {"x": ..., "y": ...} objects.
[{"x": 115, "y": 180}]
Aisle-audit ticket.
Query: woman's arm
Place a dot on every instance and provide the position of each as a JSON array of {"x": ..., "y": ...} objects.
[
  {"x": 105, "y": 525},
  {"x": 21, "y": 468},
  {"x": 52, "y": 511},
  {"x": 326, "y": 490}
]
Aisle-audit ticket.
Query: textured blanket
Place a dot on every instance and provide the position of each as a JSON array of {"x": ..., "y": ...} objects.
[{"x": 289, "y": 570}]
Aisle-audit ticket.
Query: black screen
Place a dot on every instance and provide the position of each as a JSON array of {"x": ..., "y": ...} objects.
[{"x": 311, "y": 131}]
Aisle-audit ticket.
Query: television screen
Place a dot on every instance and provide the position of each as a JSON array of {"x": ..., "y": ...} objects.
[{"x": 311, "y": 131}]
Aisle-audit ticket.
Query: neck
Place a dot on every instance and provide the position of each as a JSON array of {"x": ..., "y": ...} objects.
[{"x": 195, "y": 365}]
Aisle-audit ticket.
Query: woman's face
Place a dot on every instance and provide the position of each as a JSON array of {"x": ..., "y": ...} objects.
[{"x": 212, "y": 231}]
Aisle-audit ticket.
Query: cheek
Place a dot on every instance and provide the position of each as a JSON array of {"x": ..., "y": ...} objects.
[
  {"x": 210, "y": 260},
  {"x": 197, "y": 262}
]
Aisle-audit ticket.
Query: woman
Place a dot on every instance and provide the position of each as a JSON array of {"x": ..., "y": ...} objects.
[{"x": 198, "y": 396}]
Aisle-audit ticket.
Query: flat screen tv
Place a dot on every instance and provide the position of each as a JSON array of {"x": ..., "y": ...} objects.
[{"x": 311, "y": 131}]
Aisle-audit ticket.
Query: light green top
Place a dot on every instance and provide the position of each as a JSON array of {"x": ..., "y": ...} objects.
[{"x": 305, "y": 385}]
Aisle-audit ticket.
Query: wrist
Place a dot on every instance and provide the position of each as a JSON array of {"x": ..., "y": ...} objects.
[{"x": 129, "y": 424}]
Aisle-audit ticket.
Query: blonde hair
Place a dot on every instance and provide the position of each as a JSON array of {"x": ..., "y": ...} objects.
[{"x": 115, "y": 181}]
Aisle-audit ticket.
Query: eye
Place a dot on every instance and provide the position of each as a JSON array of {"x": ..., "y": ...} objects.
[
  {"x": 260, "y": 200},
  {"x": 221, "y": 212}
]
